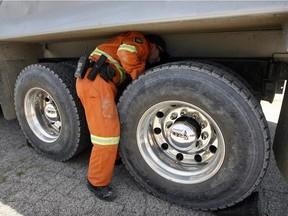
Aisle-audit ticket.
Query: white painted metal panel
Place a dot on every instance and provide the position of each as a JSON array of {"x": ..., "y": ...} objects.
[{"x": 46, "y": 20}]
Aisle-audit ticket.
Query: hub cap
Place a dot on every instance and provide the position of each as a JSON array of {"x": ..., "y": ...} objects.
[
  {"x": 180, "y": 142},
  {"x": 182, "y": 136},
  {"x": 42, "y": 115}
]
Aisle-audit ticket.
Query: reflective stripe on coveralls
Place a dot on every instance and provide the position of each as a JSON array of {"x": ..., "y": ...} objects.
[
  {"x": 127, "y": 47},
  {"x": 104, "y": 140},
  {"x": 112, "y": 60}
]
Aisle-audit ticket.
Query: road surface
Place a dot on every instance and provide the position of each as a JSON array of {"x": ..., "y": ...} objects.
[{"x": 31, "y": 184}]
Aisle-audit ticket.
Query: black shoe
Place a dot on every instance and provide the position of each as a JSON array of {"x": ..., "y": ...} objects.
[{"x": 103, "y": 192}]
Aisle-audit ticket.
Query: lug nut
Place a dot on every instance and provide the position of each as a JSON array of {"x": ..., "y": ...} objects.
[
  {"x": 195, "y": 115},
  {"x": 204, "y": 135},
  {"x": 203, "y": 124},
  {"x": 199, "y": 143},
  {"x": 169, "y": 124},
  {"x": 173, "y": 116},
  {"x": 184, "y": 112}
]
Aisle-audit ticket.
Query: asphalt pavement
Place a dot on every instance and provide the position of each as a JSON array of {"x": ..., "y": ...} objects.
[{"x": 31, "y": 184}]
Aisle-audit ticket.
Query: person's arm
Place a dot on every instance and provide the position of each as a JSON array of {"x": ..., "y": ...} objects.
[{"x": 133, "y": 55}]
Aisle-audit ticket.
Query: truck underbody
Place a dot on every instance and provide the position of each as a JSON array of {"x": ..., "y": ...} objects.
[{"x": 224, "y": 58}]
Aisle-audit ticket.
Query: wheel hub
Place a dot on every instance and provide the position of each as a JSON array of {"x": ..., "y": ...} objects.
[
  {"x": 42, "y": 115},
  {"x": 180, "y": 142},
  {"x": 182, "y": 136},
  {"x": 50, "y": 112}
]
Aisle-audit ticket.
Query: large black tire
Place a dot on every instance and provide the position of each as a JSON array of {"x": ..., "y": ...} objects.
[
  {"x": 49, "y": 111},
  {"x": 193, "y": 135}
]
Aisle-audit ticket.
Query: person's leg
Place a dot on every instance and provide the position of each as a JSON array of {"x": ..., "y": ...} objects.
[{"x": 103, "y": 122}]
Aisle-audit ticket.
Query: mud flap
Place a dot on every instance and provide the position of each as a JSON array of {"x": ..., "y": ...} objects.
[{"x": 280, "y": 145}]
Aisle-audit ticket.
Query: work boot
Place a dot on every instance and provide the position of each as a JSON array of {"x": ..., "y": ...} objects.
[{"x": 102, "y": 192}]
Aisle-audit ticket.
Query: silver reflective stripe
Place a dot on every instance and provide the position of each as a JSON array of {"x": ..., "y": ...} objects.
[
  {"x": 112, "y": 60},
  {"x": 127, "y": 47},
  {"x": 104, "y": 140}
]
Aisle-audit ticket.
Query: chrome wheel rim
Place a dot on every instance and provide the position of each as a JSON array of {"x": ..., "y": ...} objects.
[
  {"x": 42, "y": 115},
  {"x": 180, "y": 142}
]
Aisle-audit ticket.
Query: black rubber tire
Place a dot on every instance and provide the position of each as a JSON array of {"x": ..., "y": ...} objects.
[
  {"x": 230, "y": 104},
  {"x": 58, "y": 80}
]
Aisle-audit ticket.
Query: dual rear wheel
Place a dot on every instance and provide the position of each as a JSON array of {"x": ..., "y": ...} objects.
[{"x": 191, "y": 133}]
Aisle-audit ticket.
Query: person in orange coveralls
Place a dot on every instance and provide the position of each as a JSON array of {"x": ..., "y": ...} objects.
[{"x": 117, "y": 59}]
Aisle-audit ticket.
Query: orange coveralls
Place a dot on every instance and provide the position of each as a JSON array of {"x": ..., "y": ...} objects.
[{"x": 127, "y": 53}]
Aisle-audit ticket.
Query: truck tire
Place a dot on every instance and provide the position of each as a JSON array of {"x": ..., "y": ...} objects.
[
  {"x": 49, "y": 111},
  {"x": 231, "y": 72},
  {"x": 193, "y": 135}
]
